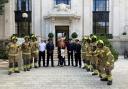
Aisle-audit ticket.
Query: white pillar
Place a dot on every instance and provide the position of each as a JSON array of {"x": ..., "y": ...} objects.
[
  {"x": 47, "y": 28},
  {"x": 9, "y": 19},
  {"x": 53, "y": 28},
  {"x": 33, "y": 14},
  {"x": 111, "y": 17},
  {"x": 70, "y": 27},
  {"x": 88, "y": 17}
]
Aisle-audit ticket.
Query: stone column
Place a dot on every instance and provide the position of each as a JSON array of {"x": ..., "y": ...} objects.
[
  {"x": 9, "y": 19},
  {"x": 116, "y": 17},
  {"x": 70, "y": 28},
  {"x": 111, "y": 16},
  {"x": 2, "y": 27},
  {"x": 53, "y": 28},
  {"x": 47, "y": 30}
]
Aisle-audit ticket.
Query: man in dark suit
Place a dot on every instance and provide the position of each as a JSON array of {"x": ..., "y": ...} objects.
[
  {"x": 77, "y": 53},
  {"x": 50, "y": 49},
  {"x": 70, "y": 52}
]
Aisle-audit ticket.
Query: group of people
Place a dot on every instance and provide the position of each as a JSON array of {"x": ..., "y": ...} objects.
[
  {"x": 34, "y": 52},
  {"x": 29, "y": 49},
  {"x": 73, "y": 51},
  {"x": 98, "y": 58}
]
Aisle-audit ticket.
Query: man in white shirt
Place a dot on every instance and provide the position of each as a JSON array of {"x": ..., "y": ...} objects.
[{"x": 42, "y": 48}]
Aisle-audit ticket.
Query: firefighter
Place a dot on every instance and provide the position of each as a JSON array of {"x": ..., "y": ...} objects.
[
  {"x": 13, "y": 52},
  {"x": 26, "y": 53},
  {"x": 94, "y": 59},
  {"x": 34, "y": 50},
  {"x": 106, "y": 62},
  {"x": 84, "y": 43},
  {"x": 87, "y": 54}
]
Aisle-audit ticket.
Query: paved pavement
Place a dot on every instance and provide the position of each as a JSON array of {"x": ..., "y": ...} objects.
[{"x": 63, "y": 78}]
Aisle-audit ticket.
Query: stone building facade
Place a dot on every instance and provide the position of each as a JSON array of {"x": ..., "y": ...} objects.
[{"x": 63, "y": 17}]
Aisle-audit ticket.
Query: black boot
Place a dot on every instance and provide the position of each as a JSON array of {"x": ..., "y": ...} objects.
[
  {"x": 25, "y": 70},
  {"x": 28, "y": 69},
  {"x": 100, "y": 76},
  {"x": 10, "y": 68},
  {"x": 109, "y": 83},
  {"x": 17, "y": 71},
  {"x": 94, "y": 74},
  {"x": 88, "y": 70},
  {"x": 16, "y": 67},
  {"x": 35, "y": 67},
  {"x": 9, "y": 73},
  {"x": 84, "y": 67},
  {"x": 104, "y": 79}
]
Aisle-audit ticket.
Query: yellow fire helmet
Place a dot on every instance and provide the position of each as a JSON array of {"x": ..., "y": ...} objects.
[
  {"x": 26, "y": 37},
  {"x": 33, "y": 36},
  {"x": 88, "y": 40},
  {"x": 94, "y": 38},
  {"x": 100, "y": 42},
  {"x": 14, "y": 38},
  {"x": 85, "y": 37}
]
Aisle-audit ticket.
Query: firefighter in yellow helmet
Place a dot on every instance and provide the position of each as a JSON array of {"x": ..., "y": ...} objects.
[
  {"x": 88, "y": 54},
  {"x": 34, "y": 50},
  {"x": 94, "y": 59},
  {"x": 84, "y": 43},
  {"x": 12, "y": 51},
  {"x": 106, "y": 62},
  {"x": 26, "y": 53}
]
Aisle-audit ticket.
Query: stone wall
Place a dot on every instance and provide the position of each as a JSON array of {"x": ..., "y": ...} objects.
[
  {"x": 1, "y": 26},
  {"x": 120, "y": 45}
]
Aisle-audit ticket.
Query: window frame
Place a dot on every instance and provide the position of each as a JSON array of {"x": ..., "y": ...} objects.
[
  {"x": 68, "y": 2},
  {"x": 28, "y": 5},
  {"x": 105, "y": 27},
  {"x": 96, "y": 6},
  {"x": 99, "y": 15},
  {"x": 67, "y": 5}
]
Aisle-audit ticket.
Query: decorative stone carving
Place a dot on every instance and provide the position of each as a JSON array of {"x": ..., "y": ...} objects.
[{"x": 62, "y": 7}]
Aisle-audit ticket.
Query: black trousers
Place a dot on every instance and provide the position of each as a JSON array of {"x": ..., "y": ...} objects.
[
  {"x": 62, "y": 61},
  {"x": 70, "y": 58},
  {"x": 78, "y": 59},
  {"x": 50, "y": 55},
  {"x": 41, "y": 55}
]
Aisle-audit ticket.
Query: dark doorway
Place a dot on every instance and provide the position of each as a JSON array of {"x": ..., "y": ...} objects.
[{"x": 61, "y": 31}]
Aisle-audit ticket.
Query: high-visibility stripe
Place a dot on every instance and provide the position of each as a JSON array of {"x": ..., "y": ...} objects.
[
  {"x": 103, "y": 75},
  {"x": 11, "y": 70},
  {"x": 109, "y": 77},
  {"x": 102, "y": 51},
  {"x": 108, "y": 63},
  {"x": 96, "y": 71},
  {"x": 26, "y": 53},
  {"x": 88, "y": 55},
  {"x": 108, "y": 53},
  {"x": 13, "y": 54},
  {"x": 35, "y": 51},
  {"x": 16, "y": 69}
]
